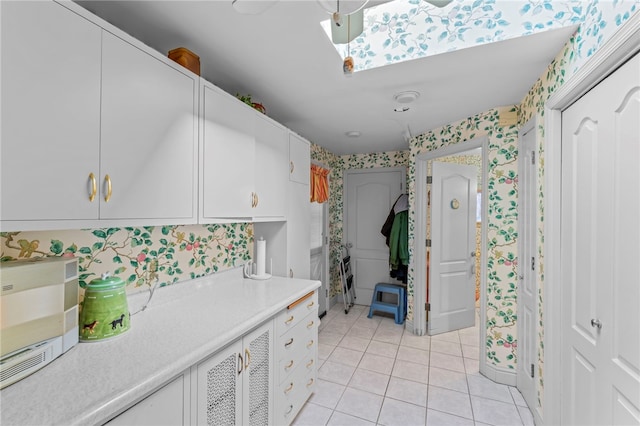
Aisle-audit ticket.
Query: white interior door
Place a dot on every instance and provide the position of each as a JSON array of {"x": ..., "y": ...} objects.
[
  {"x": 527, "y": 284},
  {"x": 369, "y": 196},
  {"x": 600, "y": 253},
  {"x": 453, "y": 247}
]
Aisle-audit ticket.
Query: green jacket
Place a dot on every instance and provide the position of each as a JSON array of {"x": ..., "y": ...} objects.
[{"x": 399, "y": 240}]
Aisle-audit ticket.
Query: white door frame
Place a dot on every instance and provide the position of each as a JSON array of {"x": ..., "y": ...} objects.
[
  {"x": 419, "y": 325},
  {"x": 624, "y": 43},
  {"x": 528, "y": 190}
]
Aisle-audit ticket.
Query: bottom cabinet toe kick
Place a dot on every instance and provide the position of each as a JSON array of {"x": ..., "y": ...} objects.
[{"x": 296, "y": 356}]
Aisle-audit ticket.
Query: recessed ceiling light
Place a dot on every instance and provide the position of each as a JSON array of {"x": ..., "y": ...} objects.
[
  {"x": 406, "y": 97},
  {"x": 401, "y": 109},
  {"x": 353, "y": 134}
]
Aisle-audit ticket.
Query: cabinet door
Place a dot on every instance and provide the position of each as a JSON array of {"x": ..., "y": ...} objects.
[
  {"x": 148, "y": 137},
  {"x": 219, "y": 387},
  {"x": 298, "y": 237},
  {"x": 258, "y": 376},
  {"x": 228, "y": 156},
  {"x": 299, "y": 159},
  {"x": 50, "y": 112},
  {"x": 165, "y": 406},
  {"x": 271, "y": 179}
]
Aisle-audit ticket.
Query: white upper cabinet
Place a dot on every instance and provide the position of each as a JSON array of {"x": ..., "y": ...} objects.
[
  {"x": 148, "y": 141},
  {"x": 244, "y": 161},
  {"x": 228, "y": 149},
  {"x": 95, "y": 131},
  {"x": 271, "y": 168},
  {"x": 50, "y": 113},
  {"x": 299, "y": 159}
]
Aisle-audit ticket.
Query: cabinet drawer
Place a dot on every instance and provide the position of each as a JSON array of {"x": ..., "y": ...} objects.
[
  {"x": 299, "y": 309},
  {"x": 293, "y": 393},
  {"x": 297, "y": 345}
]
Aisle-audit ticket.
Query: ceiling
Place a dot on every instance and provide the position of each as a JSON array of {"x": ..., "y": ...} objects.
[{"x": 283, "y": 59}]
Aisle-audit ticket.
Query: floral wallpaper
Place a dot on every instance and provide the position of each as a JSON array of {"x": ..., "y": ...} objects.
[
  {"x": 142, "y": 257},
  {"x": 403, "y": 30}
]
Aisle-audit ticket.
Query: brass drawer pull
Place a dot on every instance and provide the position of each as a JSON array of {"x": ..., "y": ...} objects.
[
  {"x": 94, "y": 187},
  {"x": 310, "y": 363},
  {"x": 287, "y": 390},
  {"x": 288, "y": 366},
  {"x": 289, "y": 410},
  {"x": 247, "y": 358},
  {"x": 288, "y": 321},
  {"x": 310, "y": 382},
  {"x": 107, "y": 197},
  {"x": 310, "y": 305},
  {"x": 310, "y": 343},
  {"x": 286, "y": 345},
  {"x": 310, "y": 324}
]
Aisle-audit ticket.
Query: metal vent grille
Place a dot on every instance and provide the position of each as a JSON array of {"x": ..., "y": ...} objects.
[
  {"x": 259, "y": 380},
  {"x": 22, "y": 366},
  {"x": 221, "y": 392}
]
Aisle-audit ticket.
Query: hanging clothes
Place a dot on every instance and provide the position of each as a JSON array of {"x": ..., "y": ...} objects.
[{"x": 396, "y": 231}]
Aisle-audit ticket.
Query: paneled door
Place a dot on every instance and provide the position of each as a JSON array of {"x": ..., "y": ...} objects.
[
  {"x": 453, "y": 248},
  {"x": 600, "y": 252},
  {"x": 369, "y": 196},
  {"x": 527, "y": 286}
]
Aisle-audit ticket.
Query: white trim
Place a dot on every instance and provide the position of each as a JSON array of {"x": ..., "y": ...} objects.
[
  {"x": 619, "y": 48},
  {"x": 498, "y": 375},
  {"x": 419, "y": 325}
]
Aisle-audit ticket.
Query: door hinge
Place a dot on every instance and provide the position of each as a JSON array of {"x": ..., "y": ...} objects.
[
  {"x": 532, "y": 371},
  {"x": 427, "y": 242},
  {"x": 326, "y": 292},
  {"x": 427, "y": 307},
  {"x": 533, "y": 157},
  {"x": 533, "y": 263},
  {"x": 429, "y": 179}
]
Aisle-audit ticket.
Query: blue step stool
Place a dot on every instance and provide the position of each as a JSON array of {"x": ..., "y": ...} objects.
[{"x": 398, "y": 309}]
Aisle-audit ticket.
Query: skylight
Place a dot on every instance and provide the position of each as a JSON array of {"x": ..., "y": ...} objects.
[{"x": 402, "y": 30}]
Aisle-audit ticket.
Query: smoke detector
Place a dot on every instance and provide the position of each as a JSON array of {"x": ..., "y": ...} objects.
[{"x": 406, "y": 97}]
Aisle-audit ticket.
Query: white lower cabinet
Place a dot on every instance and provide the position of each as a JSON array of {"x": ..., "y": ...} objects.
[
  {"x": 169, "y": 406},
  {"x": 262, "y": 378},
  {"x": 234, "y": 386},
  {"x": 296, "y": 356}
]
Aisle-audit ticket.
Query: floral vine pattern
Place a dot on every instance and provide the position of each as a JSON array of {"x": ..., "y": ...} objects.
[{"x": 143, "y": 256}]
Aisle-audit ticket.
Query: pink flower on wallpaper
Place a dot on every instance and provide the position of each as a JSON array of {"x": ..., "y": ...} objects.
[
  {"x": 141, "y": 257},
  {"x": 189, "y": 247},
  {"x": 196, "y": 244},
  {"x": 230, "y": 247}
]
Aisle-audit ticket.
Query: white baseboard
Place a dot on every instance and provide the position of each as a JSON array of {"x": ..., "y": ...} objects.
[{"x": 498, "y": 375}]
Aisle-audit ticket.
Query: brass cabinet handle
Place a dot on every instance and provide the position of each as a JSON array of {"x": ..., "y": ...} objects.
[
  {"x": 289, "y": 410},
  {"x": 288, "y": 321},
  {"x": 287, "y": 390},
  {"x": 286, "y": 345},
  {"x": 310, "y": 363},
  {"x": 310, "y": 343},
  {"x": 94, "y": 187},
  {"x": 257, "y": 200},
  {"x": 107, "y": 197},
  {"x": 291, "y": 166},
  {"x": 310, "y": 305},
  {"x": 310, "y": 324},
  {"x": 253, "y": 201},
  {"x": 288, "y": 366},
  {"x": 310, "y": 382},
  {"x": 240, "y": 364},
  {"x": 247, "y": 358}
]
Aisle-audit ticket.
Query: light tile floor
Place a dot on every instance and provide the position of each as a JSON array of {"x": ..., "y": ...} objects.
[{"x": 372, "y": 371}]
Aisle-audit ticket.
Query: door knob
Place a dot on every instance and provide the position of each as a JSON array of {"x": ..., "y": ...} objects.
[
  {"x": 473, "y": 254},
  {"x": 596, "y": 323}
]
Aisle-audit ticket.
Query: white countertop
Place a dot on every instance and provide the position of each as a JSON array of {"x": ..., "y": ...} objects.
[{"x": 183, "y": 324}]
